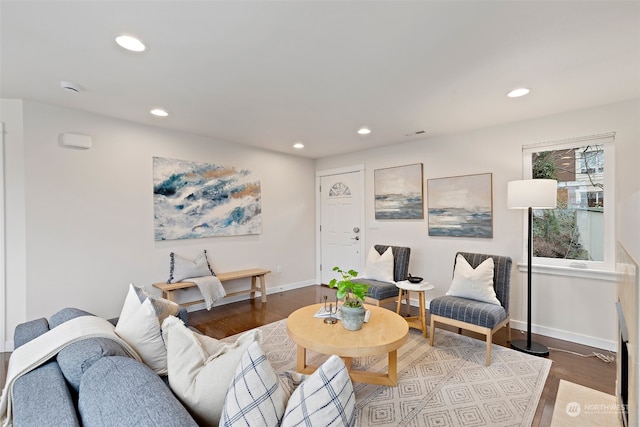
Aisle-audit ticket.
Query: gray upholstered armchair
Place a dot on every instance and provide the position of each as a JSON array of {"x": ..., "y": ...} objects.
[
  {"x": 474, "y": 315},
  {"x": 384, "y": 292}
]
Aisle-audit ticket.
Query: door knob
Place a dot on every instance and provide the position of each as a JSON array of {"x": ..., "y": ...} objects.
[
  {"x": 356, "y": 229},
  {"x": 356, "y": 238}
]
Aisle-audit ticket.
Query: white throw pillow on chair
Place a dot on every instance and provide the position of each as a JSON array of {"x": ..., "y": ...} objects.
[
  {"x": 379, "y": 267},
  {"x": 475, "y": 284}
]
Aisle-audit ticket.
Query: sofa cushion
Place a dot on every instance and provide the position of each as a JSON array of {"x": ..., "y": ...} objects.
[
  {"x": 42, "y": 398},
  {"x": 77, "y": 357},
  {"x": 119, "y": 391},
  {"x": 325, "y": 398},
  {"x": 66, "y": 314},
  {"x": 27, "y": 331},
  {"x": 138, "y": 326},
  {"x": 201, "y": 368},
  {"x": 256, "y": 396}
]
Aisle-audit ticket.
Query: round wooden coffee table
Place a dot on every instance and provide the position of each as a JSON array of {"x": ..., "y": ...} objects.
[{"x": 384, "y": 333}]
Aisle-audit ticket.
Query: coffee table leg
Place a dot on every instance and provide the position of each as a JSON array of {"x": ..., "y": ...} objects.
[
  {"x": 347, "y": 362},
  {"x": 301, "y": 358},
  {"x": 393, "y": 367}
]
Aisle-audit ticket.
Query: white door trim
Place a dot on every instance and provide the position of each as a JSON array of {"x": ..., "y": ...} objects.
[{"x": 319, "y": 175}]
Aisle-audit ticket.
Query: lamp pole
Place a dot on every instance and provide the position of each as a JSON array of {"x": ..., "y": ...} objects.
[{"x": 521, "y": 345}]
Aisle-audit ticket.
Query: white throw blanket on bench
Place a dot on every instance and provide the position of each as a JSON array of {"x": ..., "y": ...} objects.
[
  {"x": 43, "y": 348},
  {"x": 211, "y": 289}
]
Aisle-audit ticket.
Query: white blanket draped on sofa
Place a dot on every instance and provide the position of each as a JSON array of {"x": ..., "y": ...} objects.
[{"x": 46, "y": 346}]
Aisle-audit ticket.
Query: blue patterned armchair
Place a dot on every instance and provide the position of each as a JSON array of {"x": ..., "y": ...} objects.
[
  {"x": 477, "y": 316},
  {"x": 384, "y": 292}
]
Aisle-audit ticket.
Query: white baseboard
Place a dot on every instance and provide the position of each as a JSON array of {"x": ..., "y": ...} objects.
[{"x": 603, "y": 344}]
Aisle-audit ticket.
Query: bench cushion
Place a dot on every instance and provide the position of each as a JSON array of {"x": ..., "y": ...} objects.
[{"x": 468, "y": 311}]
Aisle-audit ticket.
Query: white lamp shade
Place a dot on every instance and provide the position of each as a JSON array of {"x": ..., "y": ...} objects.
[{"x": 532, "y": 193}]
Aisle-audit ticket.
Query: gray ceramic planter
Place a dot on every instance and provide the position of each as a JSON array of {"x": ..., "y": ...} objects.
[{"x": 352, "y": 318}]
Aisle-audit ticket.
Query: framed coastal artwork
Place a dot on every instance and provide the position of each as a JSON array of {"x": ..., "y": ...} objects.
[
  {"x": 461, "y": 206},
  {"x": 194, "y": 200},
  {"x": 399, "y": 192}
]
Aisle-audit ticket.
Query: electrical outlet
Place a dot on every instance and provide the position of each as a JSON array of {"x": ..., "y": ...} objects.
[{"x": 279, "y": 269}]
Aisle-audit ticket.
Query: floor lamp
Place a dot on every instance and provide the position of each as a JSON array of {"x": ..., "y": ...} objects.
[{"x": 531, "y": 194}]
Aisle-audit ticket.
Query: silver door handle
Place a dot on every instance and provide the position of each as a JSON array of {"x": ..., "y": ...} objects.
[{"x": 355, "y": 238}]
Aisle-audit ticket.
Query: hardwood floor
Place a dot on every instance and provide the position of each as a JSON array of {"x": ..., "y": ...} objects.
[{"x": 230, "y": 319}]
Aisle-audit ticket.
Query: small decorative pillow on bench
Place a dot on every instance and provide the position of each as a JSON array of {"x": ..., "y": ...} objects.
[{"x": 182, "y": 268}]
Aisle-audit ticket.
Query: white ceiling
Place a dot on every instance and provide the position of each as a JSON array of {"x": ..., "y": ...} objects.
[{"x": 270, "y": 73}]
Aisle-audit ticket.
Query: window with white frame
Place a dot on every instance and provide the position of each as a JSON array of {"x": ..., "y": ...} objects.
[{"x": 580, "y": 231}]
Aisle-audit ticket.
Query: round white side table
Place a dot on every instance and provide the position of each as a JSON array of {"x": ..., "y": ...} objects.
[{"x": 405, "y": 288}]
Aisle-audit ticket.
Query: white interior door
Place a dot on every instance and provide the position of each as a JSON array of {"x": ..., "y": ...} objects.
[{"x": 341, "y": 227}]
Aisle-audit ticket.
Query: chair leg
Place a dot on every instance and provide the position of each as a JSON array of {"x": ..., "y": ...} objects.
[
  {"x": 489, "y": 338},
  {"x": 432, "y": 333},
  {"x": 509, "y": 332}
]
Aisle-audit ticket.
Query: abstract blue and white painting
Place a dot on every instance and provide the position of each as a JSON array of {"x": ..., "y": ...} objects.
[
  {"x": 193, "y": 200},
  {"x": 398, "y": 192},
  {"x": 461, "y": 206}
]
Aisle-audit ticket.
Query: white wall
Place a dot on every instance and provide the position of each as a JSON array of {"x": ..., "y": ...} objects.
[
  {"x": 87, "y": 215},
  {"x": 569, "y": 308}
]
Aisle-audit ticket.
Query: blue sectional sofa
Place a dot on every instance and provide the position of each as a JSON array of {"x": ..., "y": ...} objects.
[{"x": 91, "y": 383}]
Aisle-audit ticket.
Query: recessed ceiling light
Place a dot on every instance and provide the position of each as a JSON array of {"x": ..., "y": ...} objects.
[
  {"x": 159, "y": 112},
  {"x": 130, "y": 43},
  {"x": 364, "y": 131},
  {"x": 298, "y": 145},
  {"x": 516, "y": 93}
]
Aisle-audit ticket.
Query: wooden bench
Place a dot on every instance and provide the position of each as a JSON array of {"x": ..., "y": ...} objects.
[{"x": 168, "y": 289}]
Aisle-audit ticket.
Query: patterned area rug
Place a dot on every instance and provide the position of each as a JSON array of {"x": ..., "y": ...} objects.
[{"x": 445, "y": 385}]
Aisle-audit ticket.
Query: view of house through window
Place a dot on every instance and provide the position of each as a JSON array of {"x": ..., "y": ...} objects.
[{"x": 575, "y": 229}]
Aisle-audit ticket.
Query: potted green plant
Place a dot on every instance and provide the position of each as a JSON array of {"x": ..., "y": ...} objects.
[{"x": 353, "y": 294}]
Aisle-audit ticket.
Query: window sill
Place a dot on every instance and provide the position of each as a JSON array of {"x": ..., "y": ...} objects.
[{"x": 556, "y": 270}]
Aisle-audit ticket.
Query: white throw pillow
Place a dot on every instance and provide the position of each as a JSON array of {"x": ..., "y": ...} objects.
[
  {"x": 163, "y": 307},
  {"x": 138, "y": 326},
  {"x": 182, "y": 268},
  {"x": 475, "y": 284},
  {"x": 256, "y": 395},
  {"x": 325, "y": 398},
  {"x": 201, "y": 368},
  {"x": 379, "y": 267}
]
